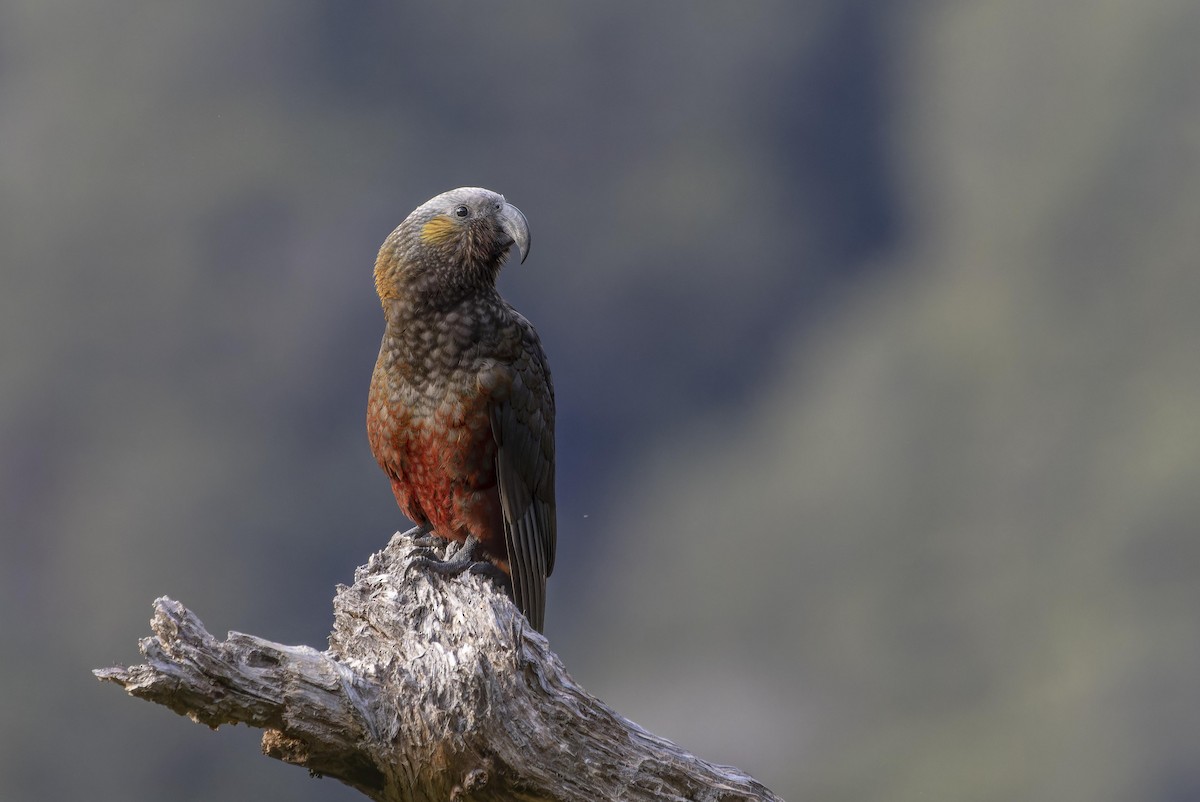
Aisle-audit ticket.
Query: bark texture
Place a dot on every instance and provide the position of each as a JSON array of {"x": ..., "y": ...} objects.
[{"x": 432, "y": 689}]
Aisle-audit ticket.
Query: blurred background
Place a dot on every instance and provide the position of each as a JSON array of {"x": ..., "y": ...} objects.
[{"x": 876, "y": 338}]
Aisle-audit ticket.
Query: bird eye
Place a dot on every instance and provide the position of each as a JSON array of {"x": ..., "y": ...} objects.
[{"x": 462, "y": 211}]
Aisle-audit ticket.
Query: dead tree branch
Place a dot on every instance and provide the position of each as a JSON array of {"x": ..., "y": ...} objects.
[{"x": 431, "y": 689}]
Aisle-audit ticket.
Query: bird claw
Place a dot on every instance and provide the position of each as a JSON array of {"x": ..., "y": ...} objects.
[
  {"x": 427, "y": 542},
  {"x": 459, "y": 559},
  {"x": 445, "y": 566},
  {"x": 423, "y": 556},
  {"x": 492, "y": 572},
  {"x": 421, "y": 536}
]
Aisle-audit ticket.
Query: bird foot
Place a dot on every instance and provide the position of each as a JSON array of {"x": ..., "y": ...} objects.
[
  {"x": 421, "y": 536},
  {"x": 426, "y": 543},
  {"x": 459, "y": 560},
  {"x": 489, "y": 569}
]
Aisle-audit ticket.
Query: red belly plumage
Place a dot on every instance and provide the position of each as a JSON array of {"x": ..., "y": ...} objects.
[{"x": 443, "y": 471}]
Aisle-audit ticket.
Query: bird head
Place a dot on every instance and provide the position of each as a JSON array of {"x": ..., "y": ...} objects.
[{"x": 450, "y": 245}]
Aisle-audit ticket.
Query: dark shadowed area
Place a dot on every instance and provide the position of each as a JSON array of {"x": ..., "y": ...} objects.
[{"x": 873, "y": 326}]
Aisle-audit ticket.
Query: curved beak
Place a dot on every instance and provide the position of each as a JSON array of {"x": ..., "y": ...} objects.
[{"x": 516, "y": 226}]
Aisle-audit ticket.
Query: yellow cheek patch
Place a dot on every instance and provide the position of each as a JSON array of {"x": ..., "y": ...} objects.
[{"x": 439, "y": 230}]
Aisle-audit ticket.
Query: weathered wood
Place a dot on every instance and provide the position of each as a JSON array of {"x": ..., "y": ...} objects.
[{"x": 431, "y": 689}]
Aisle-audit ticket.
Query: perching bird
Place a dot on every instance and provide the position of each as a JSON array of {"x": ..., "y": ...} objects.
[{"x": 461, "y": 409}]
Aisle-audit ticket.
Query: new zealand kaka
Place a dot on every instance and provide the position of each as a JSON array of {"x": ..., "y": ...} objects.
[{"x": 461, "y": 408}]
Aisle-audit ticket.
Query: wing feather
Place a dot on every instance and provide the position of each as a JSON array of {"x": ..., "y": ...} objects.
[{"x": 523, "y": 427}]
